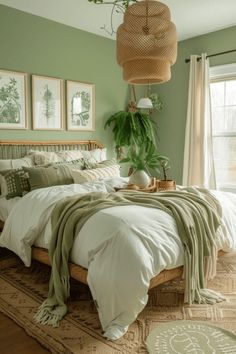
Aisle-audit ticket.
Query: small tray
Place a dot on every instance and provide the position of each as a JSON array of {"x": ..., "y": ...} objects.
[{"x": 152, "y": 188}]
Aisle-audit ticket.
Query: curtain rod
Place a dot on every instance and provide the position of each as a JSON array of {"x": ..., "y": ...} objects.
[{"x": 213, "y": 55}]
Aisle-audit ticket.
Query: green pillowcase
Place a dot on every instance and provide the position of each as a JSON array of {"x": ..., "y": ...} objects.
[
  {"x": 17, "y": 182},
  {"x": 48, "y": 176},
  {"x": 14, "y": 183}
]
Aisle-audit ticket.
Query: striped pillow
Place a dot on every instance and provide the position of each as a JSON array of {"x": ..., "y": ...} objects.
[
  {"x": 95, "y": 174},
  {"x": 46, "y": 157},
  {"x": 90, "y": 163}
]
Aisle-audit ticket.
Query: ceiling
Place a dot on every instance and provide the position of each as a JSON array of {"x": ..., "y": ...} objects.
[{"x": 191, "y": 17}]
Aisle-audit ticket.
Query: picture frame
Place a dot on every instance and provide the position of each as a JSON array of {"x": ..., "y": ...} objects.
[
  {"x": 80, "y": 106},
  {"x": 47, "y": 103},
  {"x": 13, "y": 100}
]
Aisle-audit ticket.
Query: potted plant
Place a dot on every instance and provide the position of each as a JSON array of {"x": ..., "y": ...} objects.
[
  {"x": 135, "y": 138},
  {"x": 141, "y": 160},
  {"x": 131, "y": 128},
  {"x": 165, "y": 184}
]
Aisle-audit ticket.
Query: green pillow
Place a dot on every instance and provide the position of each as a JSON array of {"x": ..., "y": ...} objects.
[
  {"x": 48, "y": 176},
  {"x": 14, "y": 183}
]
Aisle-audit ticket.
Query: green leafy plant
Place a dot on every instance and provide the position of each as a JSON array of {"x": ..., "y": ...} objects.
[
  {"x": 144, "y": 158},
  {"x": 132, "y": 129}
]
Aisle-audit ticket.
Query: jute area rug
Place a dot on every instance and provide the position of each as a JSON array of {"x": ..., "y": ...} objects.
[{"x": 22, "y": 290}]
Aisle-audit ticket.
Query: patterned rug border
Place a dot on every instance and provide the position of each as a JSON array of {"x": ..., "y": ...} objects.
[
  {"x": 23, "y": 289},
  {"x": 29, "y": 327}
]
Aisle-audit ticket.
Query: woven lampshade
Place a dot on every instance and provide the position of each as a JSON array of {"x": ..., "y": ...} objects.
[{"x": 146, "y": 43}]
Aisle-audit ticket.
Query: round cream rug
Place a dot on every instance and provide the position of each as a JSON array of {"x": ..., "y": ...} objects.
[{"x": 190, "y": 337}]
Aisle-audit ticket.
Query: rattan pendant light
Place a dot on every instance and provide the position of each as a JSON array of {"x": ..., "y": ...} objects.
[{"x": 146, "y": 43}]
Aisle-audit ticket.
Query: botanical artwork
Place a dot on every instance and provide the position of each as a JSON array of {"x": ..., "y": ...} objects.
[
  {"x": 80, "y": 106},
  {"x": 12, "y": 100},
  {"x": 47, "y": 103}
]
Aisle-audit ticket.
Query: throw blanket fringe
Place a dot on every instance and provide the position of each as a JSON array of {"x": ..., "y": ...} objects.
[{"x": 197, "y": 218}]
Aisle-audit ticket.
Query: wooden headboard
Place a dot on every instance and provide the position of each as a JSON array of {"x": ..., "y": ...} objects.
[{"x": 10, "y": 149}]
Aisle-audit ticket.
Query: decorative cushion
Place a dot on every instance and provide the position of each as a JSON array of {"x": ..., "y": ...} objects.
[
  {"x": 89, "y": 164},
  {"x": 8, "y": 164},
  {"x": 45, "y": 157},
  {"x": 95, "y": 174},
  {"x": 75, "y": 164},
  {"x": 97, "y": 155},
  {"x": 14, "y": 183},
  {"x": 107, "y": 163},
  {"x": 43, "y": 177}
]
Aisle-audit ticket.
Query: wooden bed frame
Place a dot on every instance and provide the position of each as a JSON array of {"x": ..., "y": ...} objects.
[{"x": 77, "y": 272}]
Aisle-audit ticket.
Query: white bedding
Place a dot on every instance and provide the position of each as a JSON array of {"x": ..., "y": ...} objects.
[
  {"x": 5, "y": 206},
  {"x": 122, "y": 247}
]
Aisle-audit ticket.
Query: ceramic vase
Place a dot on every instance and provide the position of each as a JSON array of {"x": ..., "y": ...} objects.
[{"x": 140, "y": 178}]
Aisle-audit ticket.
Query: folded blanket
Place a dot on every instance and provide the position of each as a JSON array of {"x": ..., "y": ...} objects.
[{"x": 197, "y": 215}]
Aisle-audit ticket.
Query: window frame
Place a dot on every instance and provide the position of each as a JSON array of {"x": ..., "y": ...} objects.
[{"x": 224, "y": 73}]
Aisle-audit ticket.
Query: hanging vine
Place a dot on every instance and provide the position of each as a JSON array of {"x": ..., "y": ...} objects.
[{"x": 118, "y": 6}]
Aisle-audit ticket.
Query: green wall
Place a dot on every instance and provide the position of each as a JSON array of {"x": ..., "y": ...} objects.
[
  {"x": 38, "y": 46},
  {"x": 35, "y": 45},
  {"x": 171, "y": 121}
]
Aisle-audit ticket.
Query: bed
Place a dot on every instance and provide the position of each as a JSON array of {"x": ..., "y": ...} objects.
[{"x": 17, "y": 149}]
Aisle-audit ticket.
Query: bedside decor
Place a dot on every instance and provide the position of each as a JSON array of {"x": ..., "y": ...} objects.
[
  {"x": 151, "y": 188},
  {"x": 80, "y": 106},
  {"x": 140, "y": 178},
  {"x": 47, "y": 103},
  {"x": 165, "y": 184},
  {"x": 142, "y": 159},
  {"x": 13, "y": 107}
]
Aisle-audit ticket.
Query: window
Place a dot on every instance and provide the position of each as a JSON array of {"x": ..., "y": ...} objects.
[{"x": 223, "y": 101}]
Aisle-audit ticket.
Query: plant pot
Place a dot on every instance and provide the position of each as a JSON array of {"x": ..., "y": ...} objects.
[
  {"x": 168, "y": 185},
  {"x": 140, "y": 178}
]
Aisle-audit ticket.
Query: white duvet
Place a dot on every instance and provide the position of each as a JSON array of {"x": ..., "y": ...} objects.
[{"x": 122, "y": 247}]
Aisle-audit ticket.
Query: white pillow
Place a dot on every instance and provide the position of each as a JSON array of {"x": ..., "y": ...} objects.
[
  {"x": 97, "y": 154},
  {"x": 9, "y": 164},
  {"x": 95, "y": 174},
  {"x": 70, "y": 155},
  {"x": 46, "y": 157}
]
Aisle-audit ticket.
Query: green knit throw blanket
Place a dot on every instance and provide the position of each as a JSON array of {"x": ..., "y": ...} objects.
[{"x": 197, "y": 219}]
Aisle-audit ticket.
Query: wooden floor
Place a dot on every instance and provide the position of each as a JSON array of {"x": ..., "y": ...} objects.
[{"x": 14, "y": 339}]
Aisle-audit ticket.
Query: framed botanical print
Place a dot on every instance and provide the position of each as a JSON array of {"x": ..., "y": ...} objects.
[
  {"x": 13, "y": 103},
  {"x": 47, "y": 103},
  {"x": 80, "y": 106}
]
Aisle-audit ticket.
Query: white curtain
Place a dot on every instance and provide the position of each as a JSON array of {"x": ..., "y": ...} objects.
[{"x": 198, "y": 166}]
